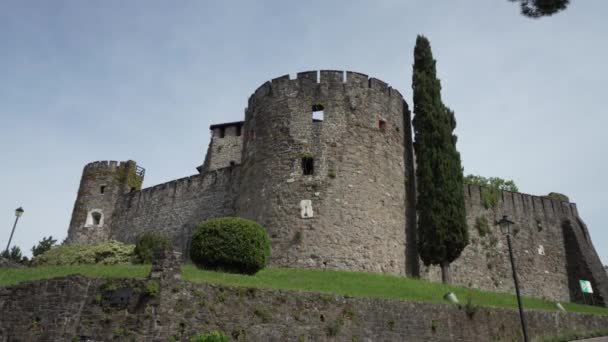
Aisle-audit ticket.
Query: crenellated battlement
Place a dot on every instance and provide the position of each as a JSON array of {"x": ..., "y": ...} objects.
[
  {"x": 524, "y": 204},
  {"x": 326, "y": 80},
  {"x": 108, "y": 164}
]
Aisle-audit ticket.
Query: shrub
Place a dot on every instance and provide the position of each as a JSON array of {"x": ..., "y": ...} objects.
[
  {"x": 107, "y": 253},
  {"x": 43, "y": 245},
  {"x": 558, "y": 196},
  {"x": 491, "y": 188},
  {"x": 231, "y": 244},
  {"x": 147, "y": 244},
  {"x": 212, "y": 336},
  {"x": 483, "y": 228}
]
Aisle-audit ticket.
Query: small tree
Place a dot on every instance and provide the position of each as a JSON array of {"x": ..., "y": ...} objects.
[
  {"x": 442, "y": 228},
  {"x": 14, "y": 255},
  {"x": 43, "y": 245}
]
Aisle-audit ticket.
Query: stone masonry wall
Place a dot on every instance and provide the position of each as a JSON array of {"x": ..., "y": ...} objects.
[
  {"x": 174, "y": 208},
  {"x": 350, "y": 213},
  {"x": 76, "y": 308},
  {"x": 539, "y": 247},
  {"x": 101, "y": 185},
  {"x": 225, "y": 148}
]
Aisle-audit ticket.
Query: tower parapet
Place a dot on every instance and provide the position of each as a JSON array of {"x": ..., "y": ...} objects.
[
  {"x": 101, "y": 185},
  {"x": 323, "y": 168}
]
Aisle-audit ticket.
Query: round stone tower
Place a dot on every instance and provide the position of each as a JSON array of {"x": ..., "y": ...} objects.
[
  {"x": 324, "y": 169},
  {"x": 101, "y": 185}
]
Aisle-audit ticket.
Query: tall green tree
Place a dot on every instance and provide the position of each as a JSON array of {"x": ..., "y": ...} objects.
[
  {"x": 541, "y": 8},
  {"x": 442, "y": 228}
]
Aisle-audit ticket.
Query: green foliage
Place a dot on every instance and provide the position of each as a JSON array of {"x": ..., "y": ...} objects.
[
  {"x": 334, "y": 328},
  {"x": 127, "y": 175},
  {"x": 212, "y": 336},
  {"x": 43, "y": 245},
  {"x": 541, "y": 8},
  {"x": 152, "y": 288},
  {"x": 442, "y": 228},
  {"x": 492, "y": 182},
  {"x": 107, "y": 253},
  {"x": 558, "y": 196},
  {"x": 331, "y": 173},
  {"x": 263, "y": 314},
  {"x": 232, "y": 244},
  {"x": 11, "y": 276},
  {"x": 370, "y": 285},
  {"x": 482, "y": 226},
  {"x": 147, "y": 244},
  {"x": 491, "y": 188},
  {"x": 14, "y": 255}
]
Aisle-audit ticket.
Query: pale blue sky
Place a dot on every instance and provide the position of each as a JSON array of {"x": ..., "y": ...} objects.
[{"x": 143, "y": 80}]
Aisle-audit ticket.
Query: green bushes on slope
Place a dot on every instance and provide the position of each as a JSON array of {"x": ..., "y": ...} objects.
[
  {"x": 147, "y": 244},
  {"x": 231, "y": 244},
  {"x": 107, "y": 253}
]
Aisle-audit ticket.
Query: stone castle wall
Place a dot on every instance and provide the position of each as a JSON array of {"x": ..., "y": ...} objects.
[
  {"x": 102, "y": 184},
  {"x": 76, "y": 308},
  {"x": 174, "y": 208},
  {"x": 225, "y": 148},
  {"x": 350, "y": 212},
  {"x": 355, "y": 211},
  {"x": 542, "y": 251}
]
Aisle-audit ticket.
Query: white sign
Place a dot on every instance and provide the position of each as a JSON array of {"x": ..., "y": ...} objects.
[{"x": 585, "y": 286}]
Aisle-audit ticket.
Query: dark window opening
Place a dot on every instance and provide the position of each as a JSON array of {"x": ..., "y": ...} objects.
[
  {"x": 382, "y": 125},
  {"x": 318, "y": 113},
  {"x": 222, "y": 132},
  {"x": 308, "y": 165},
  {"x": 96, "y": 218},
  {"x": 232, "y": 163},
  {"x": 133, "y": 189},
  {"x": 102, "y": 189},
  {"x": 238, "y": 131}
]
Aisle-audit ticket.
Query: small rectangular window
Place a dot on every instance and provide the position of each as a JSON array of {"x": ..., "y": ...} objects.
[
  {"x": 222, "y": 132},
  {"x": 382, "y": 125},
  {"x": 102, "y": 189},
  {"x": 238, "y": 131},
  {"x": 318, "y": 113},
  {"x": 308, "y": 165}
]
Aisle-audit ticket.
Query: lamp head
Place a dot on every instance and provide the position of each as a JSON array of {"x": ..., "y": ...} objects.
[
  {"x": 505, "y": 225},
  {"x": 19, "y": 211}
]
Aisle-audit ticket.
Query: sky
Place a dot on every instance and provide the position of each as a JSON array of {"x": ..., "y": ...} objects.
[{"x": 82, "y": 81}]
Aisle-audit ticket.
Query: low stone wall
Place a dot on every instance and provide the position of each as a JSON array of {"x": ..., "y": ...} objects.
[{"x": 78, "y": 308}]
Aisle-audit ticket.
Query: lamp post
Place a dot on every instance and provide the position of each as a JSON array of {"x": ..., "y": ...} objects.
[
  {"x": 18, "y": 212},
  {"x": 505, "y": 228}
]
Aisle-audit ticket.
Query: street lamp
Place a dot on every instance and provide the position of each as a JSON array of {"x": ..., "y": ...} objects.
[
  {"x": 18, "y": 212},
  {"x": 505, "y": 228}
]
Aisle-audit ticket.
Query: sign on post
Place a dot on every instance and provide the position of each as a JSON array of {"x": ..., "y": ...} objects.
[{"x": 585, "y": 286}]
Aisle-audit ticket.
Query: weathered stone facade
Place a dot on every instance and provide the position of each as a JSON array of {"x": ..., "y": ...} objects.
[
  {"x": 551, "y": 248},
  {"x": 337, "y": 193},
  {"x": 77, "y": 308}
]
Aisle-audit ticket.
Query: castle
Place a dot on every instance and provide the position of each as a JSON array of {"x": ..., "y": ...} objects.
[{"x": 325, "y": 163}]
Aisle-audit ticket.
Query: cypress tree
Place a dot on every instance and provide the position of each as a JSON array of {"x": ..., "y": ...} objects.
[{"x": 442, "y": 228}]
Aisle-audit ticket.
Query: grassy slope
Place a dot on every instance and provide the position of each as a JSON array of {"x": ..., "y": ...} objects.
[
  {"x": 356, "y": 284},
  {"x": 372, "y": 285},
  {"x": 11, "y": 276}
]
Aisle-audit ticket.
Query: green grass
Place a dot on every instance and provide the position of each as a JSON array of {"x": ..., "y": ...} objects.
[
  {"x": 355, "y": 284},
  {"x": 11, "y": 276},
  {"x": 373, "y": 285}
]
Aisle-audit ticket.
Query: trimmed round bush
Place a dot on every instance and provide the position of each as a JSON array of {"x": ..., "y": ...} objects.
[
  {"x": 147, "y": 244},
  {"x": 231, "y": 244},
  {"x": 108, "y": 253}
]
